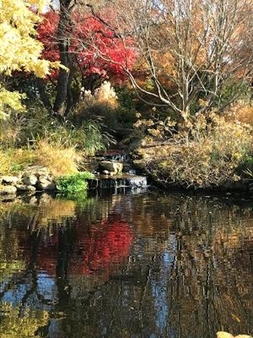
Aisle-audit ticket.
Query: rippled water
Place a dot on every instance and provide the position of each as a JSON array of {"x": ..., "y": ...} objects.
[{"x": 144, "y": 265}]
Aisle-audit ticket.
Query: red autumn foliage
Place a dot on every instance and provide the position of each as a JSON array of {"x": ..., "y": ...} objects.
[
  {"x": 47, "y": 35},
  {"x": 94, "y": 47}
]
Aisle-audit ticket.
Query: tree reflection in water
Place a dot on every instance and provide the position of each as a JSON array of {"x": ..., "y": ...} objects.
[{"x": 130, "y": 265}]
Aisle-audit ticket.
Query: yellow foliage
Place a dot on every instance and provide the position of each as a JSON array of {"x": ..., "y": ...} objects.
[
  {"x": 20, "y": 51},
  {"x": 10, "y": 99}
]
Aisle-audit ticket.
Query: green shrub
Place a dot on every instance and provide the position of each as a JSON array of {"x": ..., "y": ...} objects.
[{"x": 73, "y": 184}]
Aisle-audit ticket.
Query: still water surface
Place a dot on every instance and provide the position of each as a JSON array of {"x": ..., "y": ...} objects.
[{"x": 128, "y": 265}]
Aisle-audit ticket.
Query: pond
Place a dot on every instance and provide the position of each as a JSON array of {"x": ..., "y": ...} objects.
[{"x": 126, "y": 265}]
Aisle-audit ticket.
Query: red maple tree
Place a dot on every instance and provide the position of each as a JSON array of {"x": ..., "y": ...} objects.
[
  {"x": 47, "y": 35},
  {"x": 95, "y": 47}
]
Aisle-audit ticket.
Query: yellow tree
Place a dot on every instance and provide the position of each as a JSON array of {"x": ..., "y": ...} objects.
[{"x": 20, "y": 51}]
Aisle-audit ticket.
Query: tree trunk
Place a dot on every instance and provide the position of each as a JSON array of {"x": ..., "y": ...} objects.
[
  {"x": 63, "y": 81},
  {"x": 43, "y": 95},
  {"x": 64, "y": 32}
]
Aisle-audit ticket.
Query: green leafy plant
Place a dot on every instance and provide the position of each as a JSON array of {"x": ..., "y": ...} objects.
[{"x": 73, "y": 184}]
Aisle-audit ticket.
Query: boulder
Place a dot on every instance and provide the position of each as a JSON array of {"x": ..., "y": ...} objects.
[
  {"x": 110, "y": 167},
  {"x": 9, "y": 180},
  {"x": 7, "y": 190},
  {"x": 23, "y": 187},
  {"x": 31, "y": 179},
  {"x": 37, "y": 171},
  {"x": 45, "y": 184}
]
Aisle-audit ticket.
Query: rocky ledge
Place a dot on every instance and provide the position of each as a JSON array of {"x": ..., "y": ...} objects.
[
  {"x": 120, "y": 182},
  {"x": 34, "y": 178},
  {"x": 39, "y": 179}
]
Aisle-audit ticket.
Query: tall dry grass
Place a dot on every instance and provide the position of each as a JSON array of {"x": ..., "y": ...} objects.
[
  {"x": 12, "y": 161},
  {"x": 58, "y": 158}
]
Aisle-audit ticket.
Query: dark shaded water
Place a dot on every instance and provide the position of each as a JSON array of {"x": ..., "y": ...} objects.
[{"x": 144, "y": 265}]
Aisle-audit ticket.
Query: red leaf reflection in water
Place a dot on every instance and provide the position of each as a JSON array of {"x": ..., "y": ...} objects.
[
  {"x": 97, "y": 249},
  {"x": 105, "y": 244},
  {"x": 47, "y": 253},
  {"x": 47, "y": 260}
]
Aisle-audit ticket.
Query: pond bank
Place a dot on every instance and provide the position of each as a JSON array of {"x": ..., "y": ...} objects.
[
  {"x": 115, "y": 171},
  {"x": 39, "y": 179}
]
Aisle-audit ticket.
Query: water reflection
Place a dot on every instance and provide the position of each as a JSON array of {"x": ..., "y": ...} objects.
[{"x": 144, "y": 265}]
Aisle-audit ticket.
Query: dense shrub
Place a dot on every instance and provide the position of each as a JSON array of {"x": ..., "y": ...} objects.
[
  {"x": 73, "y": 184},
  {"x": 205, "y": 153},
  {"x": 113, "y": 110}
]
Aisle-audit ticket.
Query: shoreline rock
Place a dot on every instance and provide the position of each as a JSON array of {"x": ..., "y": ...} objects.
[{"x": 33, "y": 179}]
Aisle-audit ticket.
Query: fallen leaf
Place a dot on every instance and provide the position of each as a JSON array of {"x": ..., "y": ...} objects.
[
  {"x": 222, "y": 334},
  {"x": 236, "y": 318}
]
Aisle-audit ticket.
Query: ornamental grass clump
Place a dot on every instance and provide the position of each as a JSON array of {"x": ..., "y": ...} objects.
[
  {"x": 205, "y": 153},
  {"x": 12, "y": 161},
  {"x": 58, "y": 158}
]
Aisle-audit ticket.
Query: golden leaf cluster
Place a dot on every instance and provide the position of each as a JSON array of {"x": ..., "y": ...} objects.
[{"x": 20, "y": 50}]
